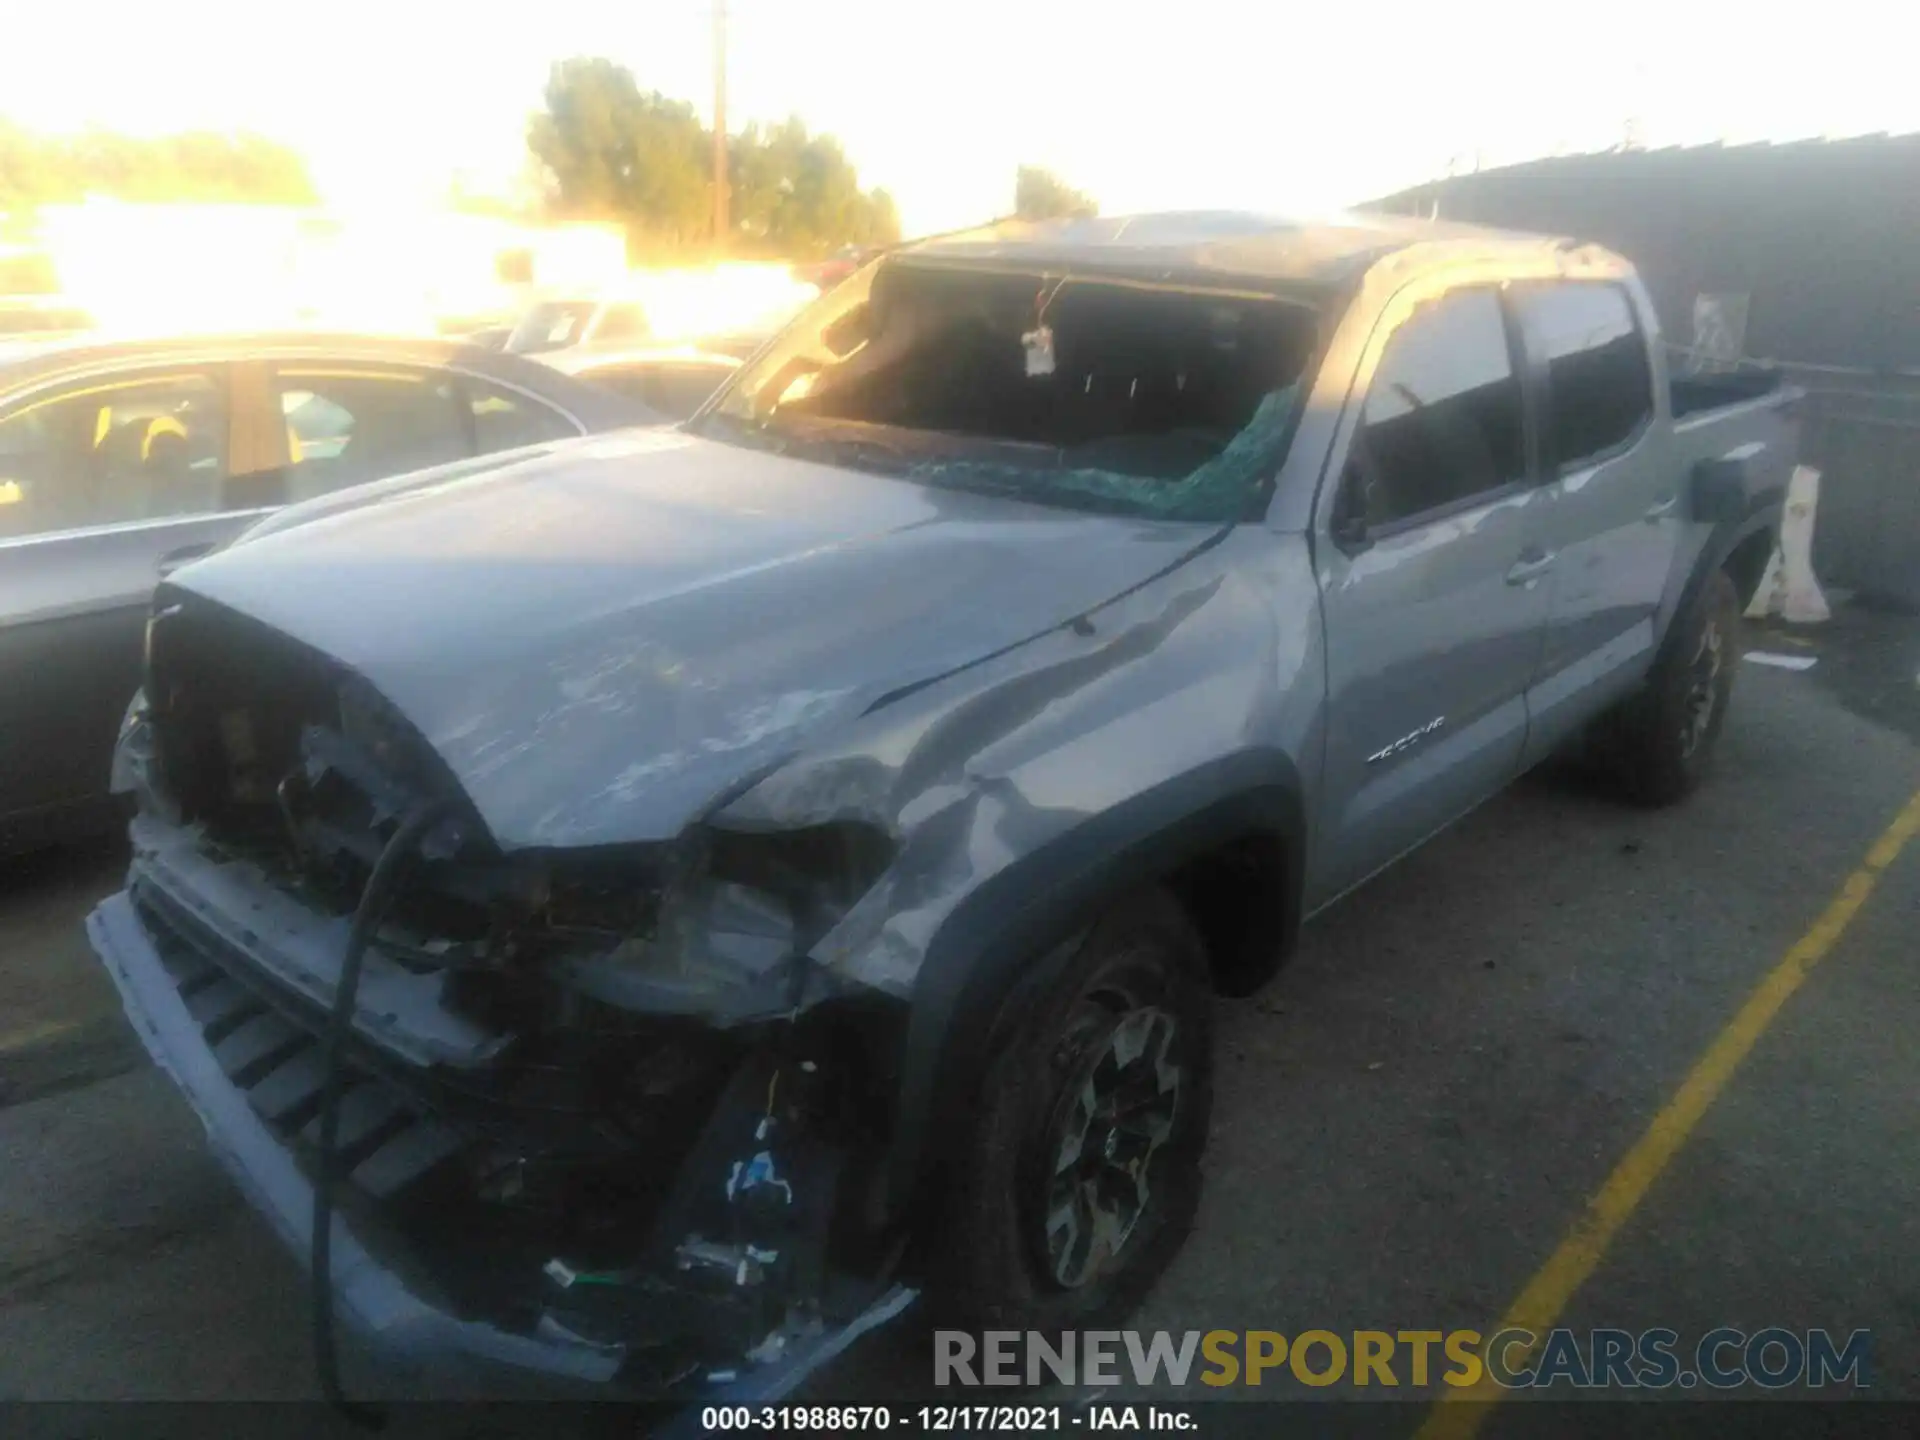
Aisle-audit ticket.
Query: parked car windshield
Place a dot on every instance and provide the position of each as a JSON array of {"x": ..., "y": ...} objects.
[
  {"x": 550, "y": 325},
  {"x": 1159, "y": 401}
]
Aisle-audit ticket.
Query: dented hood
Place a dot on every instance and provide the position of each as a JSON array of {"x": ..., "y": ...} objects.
[{"x": 605, "y": 641}]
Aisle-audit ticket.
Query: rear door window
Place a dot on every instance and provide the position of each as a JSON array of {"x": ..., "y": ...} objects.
[
  {"x": 1599, "y": 386},
  {"x": 348, "y": 424},
  {"x": 504, "y": 419}
]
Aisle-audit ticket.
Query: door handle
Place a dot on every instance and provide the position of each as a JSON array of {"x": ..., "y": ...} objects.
[
  {"x": 186, "y": 554},
  {"x": 1530, "y": 567},
  {"x": 1656, "y": 513}
]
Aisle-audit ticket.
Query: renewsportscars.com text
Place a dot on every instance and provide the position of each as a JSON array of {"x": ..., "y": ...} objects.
[{"x": 1770, "y": 1358}]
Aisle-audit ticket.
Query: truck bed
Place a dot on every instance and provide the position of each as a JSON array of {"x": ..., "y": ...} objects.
[{"x": 1692, "y": 394}]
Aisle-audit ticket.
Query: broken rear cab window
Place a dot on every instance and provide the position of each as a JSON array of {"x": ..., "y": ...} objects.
[{"x": 1159, "y": 402}]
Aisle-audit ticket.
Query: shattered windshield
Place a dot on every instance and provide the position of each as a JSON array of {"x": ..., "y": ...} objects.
[{"x": 1157, "y": 401}]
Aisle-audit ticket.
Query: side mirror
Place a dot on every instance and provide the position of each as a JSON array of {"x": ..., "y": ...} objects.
[{"x": 1721, "y": 488}]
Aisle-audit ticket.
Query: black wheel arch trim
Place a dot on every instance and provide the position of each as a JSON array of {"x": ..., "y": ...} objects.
[
  {"x": 1724, "y": 539},
  {"x": 1013, "y": 929}
]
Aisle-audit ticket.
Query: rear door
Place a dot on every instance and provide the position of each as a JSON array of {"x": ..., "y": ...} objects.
[
  {"x": 1616, "y": 518},
  {"x": 105, "y": 483},
  {"x": 1433, "y": 581}
]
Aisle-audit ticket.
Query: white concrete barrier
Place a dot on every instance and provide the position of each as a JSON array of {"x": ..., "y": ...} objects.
[{"x": 1789, "y": 588}]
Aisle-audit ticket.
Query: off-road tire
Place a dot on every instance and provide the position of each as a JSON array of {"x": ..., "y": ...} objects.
[
  {"x": 989, "y": 1268},
  {"x": 1659, "y": 744}
]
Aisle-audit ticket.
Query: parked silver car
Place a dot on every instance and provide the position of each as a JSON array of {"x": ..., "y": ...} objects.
[
  {"x": 567, "y": 322},
  {"x": 120, "y": 461}
]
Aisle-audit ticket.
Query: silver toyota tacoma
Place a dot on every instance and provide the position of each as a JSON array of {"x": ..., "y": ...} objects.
[{"x": 669, "y": 900}]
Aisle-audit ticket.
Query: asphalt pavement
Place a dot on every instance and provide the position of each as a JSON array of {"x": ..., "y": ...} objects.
[{"x": 1408, "y": 1121}]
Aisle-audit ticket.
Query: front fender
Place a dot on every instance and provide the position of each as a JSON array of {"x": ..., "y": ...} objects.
[{"x": 1009, "y": 933}]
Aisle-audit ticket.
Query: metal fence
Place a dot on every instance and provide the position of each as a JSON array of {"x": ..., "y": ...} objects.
[{"x": 1863, "y": 435}]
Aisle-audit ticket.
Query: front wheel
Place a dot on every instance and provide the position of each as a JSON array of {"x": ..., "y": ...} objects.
[
  {"x": 1080, "y": 1176},
  {"x": 1660, "y": 741}
]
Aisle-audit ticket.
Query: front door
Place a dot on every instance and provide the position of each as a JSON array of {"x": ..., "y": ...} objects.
[
  {"x": 1435, "y": 586},
  {"x": 104, "y": 485}
]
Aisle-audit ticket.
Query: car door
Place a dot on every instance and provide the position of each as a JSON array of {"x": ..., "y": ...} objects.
[
  {"x": 1615, "y": 516},
  {"x": 1433, "y": 579},
  {"x": 105, "y": 484}
]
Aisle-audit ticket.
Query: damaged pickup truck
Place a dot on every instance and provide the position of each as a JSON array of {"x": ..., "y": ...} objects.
[{"x": 678, "y": 896}]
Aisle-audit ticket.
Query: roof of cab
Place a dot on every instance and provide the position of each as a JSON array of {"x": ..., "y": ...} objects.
[{"x": 1215, "y": 246}]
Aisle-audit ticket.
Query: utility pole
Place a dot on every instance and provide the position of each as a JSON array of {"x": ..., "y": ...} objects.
[{"x": 720, "y": 227}]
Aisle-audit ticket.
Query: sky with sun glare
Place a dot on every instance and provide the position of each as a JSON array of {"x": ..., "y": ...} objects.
[{"x": 1289, "y": 108}]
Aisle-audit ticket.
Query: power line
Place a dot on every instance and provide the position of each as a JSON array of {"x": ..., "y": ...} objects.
[{"x": 720, "y": 226}]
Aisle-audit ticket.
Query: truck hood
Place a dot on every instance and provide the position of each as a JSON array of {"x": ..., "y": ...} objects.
[{"x": 604, "y": 642}]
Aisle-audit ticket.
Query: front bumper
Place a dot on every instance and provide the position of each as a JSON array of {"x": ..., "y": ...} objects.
[{"x": 379, "y": 1306}]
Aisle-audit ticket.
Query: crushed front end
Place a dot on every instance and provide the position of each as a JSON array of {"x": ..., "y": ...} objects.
[{"x": 603, "y": 1120}]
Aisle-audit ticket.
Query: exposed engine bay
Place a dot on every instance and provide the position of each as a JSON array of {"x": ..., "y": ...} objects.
[{"x": 602, "y": 1095}]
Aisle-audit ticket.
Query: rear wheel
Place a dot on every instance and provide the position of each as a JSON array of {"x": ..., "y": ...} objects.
[
  {"x": 1079, "y": 1178},
  {"x": 1659, "y": 743}
]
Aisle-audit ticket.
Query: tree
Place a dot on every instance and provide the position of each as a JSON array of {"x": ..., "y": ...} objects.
[
  {"x": 796, "y": 194},
  {"x": 613, "y": 152},
  {"x": 27, "y": 176},
  {"x": 616, "y": 153},
  {"x": 195, "y": 166},
  {"x": 1039, "y": 194}
]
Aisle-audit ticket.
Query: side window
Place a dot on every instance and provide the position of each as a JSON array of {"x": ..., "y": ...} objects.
[
  {"x": 346, "y": 426},
  {"x": 1442, "y": 421},
  {"x": 503, "y": 419},
  {"x": 110, "y": 454},
  {"x": 1599, "y": 385},
  {"x": 621, "y": 322}
]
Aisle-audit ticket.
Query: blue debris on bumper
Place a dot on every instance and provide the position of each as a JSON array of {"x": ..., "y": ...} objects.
[{"x": 396, "y": 1323}]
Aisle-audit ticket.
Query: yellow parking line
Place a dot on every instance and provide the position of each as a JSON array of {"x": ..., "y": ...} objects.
[
  {"x": 35, "y": 1035},
  {"x": 1458, "y": 1414}
]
